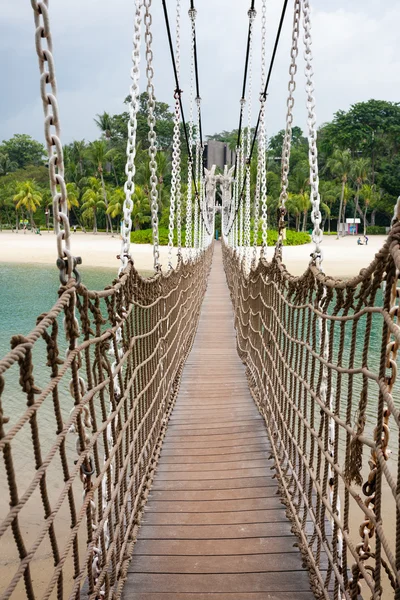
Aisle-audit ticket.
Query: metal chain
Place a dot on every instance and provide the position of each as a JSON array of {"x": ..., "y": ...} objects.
[
  {"x": 252, "y": 15},
  {"x": 177, "y": 132},
  {"x": 152, "y": 134},
  {"x": 316, "y": 216},
  {"x": 241, "y": 198},
  {"x": 287, "y": 140},
  {"x": 130, "y": 167},
  {"x": 189, "y": 200},
  {"x": 48, "y": 90},
  {"x": 262, "y": 141},
  {"x": 176, "y": 151}
]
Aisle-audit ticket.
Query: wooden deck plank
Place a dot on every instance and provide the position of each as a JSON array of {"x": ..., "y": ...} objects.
[
  {"x": 223, "y": 596},
  {"x": 252, "y": 563},
  {"x": 204, "y": 506},
  {"x": 214, "y": 527},
  {"x": 290, "y": 581}
]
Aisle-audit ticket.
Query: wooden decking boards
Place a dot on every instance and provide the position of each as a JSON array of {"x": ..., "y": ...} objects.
[{"x": 214, "y": 527}]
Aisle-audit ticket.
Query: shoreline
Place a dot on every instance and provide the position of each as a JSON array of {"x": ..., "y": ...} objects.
[{"x": 342, "y": 258}]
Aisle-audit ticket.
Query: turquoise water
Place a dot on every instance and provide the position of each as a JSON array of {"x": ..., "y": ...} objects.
[{"x": 26, "y": 291}]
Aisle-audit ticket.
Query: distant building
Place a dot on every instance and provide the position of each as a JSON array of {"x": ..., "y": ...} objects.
[{"x": 218, "y": 153}]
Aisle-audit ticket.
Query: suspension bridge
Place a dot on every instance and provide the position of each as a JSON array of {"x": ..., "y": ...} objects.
[{"x": 221, "y": 429}]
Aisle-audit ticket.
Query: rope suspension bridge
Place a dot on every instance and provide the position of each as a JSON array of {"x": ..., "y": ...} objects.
[{"x": 181, "y": 466}]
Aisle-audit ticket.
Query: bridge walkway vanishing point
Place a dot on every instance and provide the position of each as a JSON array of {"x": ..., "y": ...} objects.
[{"x": 214, "y": 526}]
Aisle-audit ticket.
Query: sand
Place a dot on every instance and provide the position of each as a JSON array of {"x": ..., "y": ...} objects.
[{"x": 342, "y": 258}]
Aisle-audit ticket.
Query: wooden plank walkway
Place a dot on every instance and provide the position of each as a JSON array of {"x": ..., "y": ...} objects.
[{"x": 214, "y": 527}]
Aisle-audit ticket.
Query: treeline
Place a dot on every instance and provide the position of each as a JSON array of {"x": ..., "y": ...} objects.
[{"x": 359, "y": 168}]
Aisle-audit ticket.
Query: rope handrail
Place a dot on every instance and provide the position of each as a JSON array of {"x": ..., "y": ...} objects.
[
  {"x": 146, "y": 327},
  {"x": 322, "y": 439}
]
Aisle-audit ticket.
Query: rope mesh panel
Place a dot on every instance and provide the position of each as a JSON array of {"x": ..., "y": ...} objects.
[
  {"x": 331, "y": 457},
  {"x": 117, "y": 383}
]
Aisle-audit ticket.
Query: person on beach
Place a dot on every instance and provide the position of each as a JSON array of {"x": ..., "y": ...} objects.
[
  {"x": 366, "y": 240},
  {"x": 359, "y": 242}
]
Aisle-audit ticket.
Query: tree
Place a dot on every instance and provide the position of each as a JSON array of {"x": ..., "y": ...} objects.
[
  {"x": 359, "y": 174},
  {"x": 141, "y": 208},
  {"x": 22, "y": 150},
  {"x": 104, "y": 123},
  {"x": 370, "y": 197},
  {"x": 6, "y": 165},
  {"x": 340, "y": 164},
  {"x": 116, "y": 204},
  {"x": 98, "y": 154},
  {"x": 92, "y": 200},
  {"x": 28, "y": 198},
  {"x": 329, "y": 193}
]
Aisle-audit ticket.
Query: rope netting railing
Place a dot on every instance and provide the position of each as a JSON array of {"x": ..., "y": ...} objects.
[
  {"x": 89, "y": 412},
  {"x": 321, "y": 355}
]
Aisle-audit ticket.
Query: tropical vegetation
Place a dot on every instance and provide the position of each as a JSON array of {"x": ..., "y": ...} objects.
[{"x": 359, "y": 172}]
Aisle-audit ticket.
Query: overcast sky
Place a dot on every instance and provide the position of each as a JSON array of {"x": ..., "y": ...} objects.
[{"x": 355, "y": 48}]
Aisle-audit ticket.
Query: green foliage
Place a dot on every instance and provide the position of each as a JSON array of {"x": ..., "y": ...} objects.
[
  {"x": 376, "y": 230},
  {"x": 145, "y": 236},
  {"x": 293, "y": 238},
  {"x": 22, "y": 150}
]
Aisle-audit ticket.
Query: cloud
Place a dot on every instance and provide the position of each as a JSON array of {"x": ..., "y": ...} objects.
[{"x": 354, "y": 47}]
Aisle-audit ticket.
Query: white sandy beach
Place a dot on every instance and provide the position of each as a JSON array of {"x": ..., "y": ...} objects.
[{"x": 342, "y": 258}]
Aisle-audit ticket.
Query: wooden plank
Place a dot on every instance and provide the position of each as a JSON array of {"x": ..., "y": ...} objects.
[
  {"x": 237, "y": 505},
  {"x": 252, "y": 563},
  {"x": 215, "y": 518},
  {"x": 233, "y": 596},
  {"x": 214, "y": 532},
  {"x": 229, "y": 547},
  {"x": 179, "y": 461},
  {"x": 213, "y": 495},
  {"x": 290, "y": 581},
  {"x": 213, "y": 484},
  {"x": 183, "y": 468},
  {"x": 204, "y": 475}
]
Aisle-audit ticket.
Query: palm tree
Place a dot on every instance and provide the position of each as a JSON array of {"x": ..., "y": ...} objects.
[
  {"x": 116, "y": 204},
  {"x": 92, "y": 200},
  {"x": 141, "y": 208},
  {"x": 6, "y": 165},
  {"x": 104, "y": 123},
  {"x": 28, "y": 197},
  {"x": 340, "y": 164},
  {"x": 359, "y": 174},
  {"x": 293, "y": 208},
  {"x": 369, "y": 194},
  {"x": 97, "y": 153},
  {"x": 77, "y": 155},
  {"x": 328, "y": 193}
]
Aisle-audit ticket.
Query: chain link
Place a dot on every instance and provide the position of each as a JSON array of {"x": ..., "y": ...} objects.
[
  {"x": 48, "y": 90},
  {"x": 252, "y": 15},
  {"x": 262, "y": 140},
  {"x": 152, "y": 134},
  {"x": 316, "y": 216},
  {"x": 176, "y": 155},
  {"x": 287, "y": 140},
  {"x": 130, "y": 167}
]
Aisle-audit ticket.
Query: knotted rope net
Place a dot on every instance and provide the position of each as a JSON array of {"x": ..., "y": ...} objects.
[
  {"x": 90, "y": 408},
  {"x": 321, "y": 355}
]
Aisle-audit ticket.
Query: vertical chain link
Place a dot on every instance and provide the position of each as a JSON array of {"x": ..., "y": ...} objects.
[
  {"x": 316, "y": 216},
  {"x": 152, "y": 134},
  {"x": 190, "y": 218},
  {"x": 48, "y": 90},
  {"x": 287, "y": 140},
  {"x": 130, "y": 168},
  {"x": 176, "y": 155},
  {"x": 252, "y": 16},
  {"x": 262, "y": 140}
]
